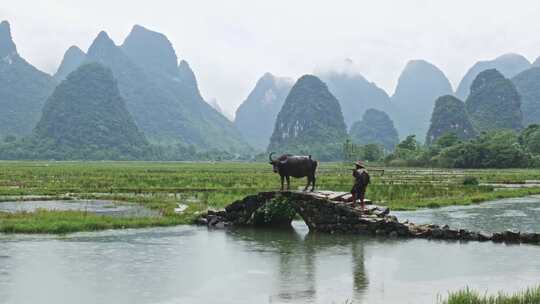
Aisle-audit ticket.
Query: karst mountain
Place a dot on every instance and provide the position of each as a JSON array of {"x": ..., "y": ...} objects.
[
  {"x": 310, "y": 121},
  {"x": 508, "y": 65},
  {"x": 355, "y": 94},
  {"x": 256, "y": 116},
  {"x": 86, "y": 117},
  {"x": 450, "y": 116},
  {"x": 494, "y": 102},
  {"x": 376, "y": 127},
  {"x": 161, "y": 94},
  {"x": 23, "y": 88},
  {"x": 419, "y": 85},
  {"x": 528, "y": 85}
]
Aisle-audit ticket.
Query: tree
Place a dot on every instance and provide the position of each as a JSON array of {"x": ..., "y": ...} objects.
[
  {"x": 497, "y": 149},
  {"x": 376, "y": 127},
  {"x": 494, "y": 103},
  {"x": 449, "y": 115},
  {"x": 409, "y": 143},
  {"x": 530, "y": 138}
]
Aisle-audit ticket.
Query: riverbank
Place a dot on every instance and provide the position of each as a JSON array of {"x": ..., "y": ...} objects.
[{"x": 162, "y": 186}]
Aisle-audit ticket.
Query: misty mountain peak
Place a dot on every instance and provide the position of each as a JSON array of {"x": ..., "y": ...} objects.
[
  {"x": 151, "y": 50},
  {"x": 74, "y": 51},
  {"x": 421, "y": 73},
  {"x": 419, "y": 85},
  {"x": 7, "y": 46},
  {"x": 420, "y": 66},
  {"x": 101, "y": 45},
  {"x": 508, "y": 65},
  {"x": 256, "y": 116},
  {"x": 355, "y": 93},
  {"x": 73, "y": 58},
  {"x": 186, "y": 74},
  {"x": 267, "y": 76},
  {"x": 514, "y": 57}
]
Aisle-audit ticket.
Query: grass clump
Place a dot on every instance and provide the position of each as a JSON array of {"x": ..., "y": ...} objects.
[
  {"x": 62, "y": 222},
  {"x": 470, "y": 181},
  {"x": 468, "y": 296}
]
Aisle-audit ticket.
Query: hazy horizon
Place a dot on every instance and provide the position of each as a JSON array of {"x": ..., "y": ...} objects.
[{"x": 230, "y": 45}]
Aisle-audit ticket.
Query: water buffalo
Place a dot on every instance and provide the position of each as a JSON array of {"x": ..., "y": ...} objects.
[{"x": 288, "y": 165}]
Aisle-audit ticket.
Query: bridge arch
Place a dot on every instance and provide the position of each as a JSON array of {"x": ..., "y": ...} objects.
[{"x": 318, "y": 210}]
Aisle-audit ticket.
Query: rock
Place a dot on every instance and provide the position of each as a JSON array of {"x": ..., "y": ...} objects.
[
  {"x": 464, "y": 235},
  {"x": 220, "y": 225},
  {"x": 437, "y": 233},
  {"x": 201, "y": 221},
  {"x": 530, "y": 237},
  {"x": 212, "y": 220},
  {"x": 482, "y": 237},
  {"x": 393, "y": 234},
  {"x": 511, "y": 236},
  {"x": 380, "y": 232},
  {"x": 497, "y": 237}
]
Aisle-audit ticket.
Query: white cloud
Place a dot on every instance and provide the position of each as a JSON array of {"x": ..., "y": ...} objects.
[{"x": 230, "y": 44}]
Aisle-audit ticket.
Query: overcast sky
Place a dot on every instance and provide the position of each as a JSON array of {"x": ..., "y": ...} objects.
[{"x": 230, "y": 44}]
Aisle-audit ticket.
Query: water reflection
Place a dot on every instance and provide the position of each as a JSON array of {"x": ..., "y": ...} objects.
[{"x": 299, "y": 253}]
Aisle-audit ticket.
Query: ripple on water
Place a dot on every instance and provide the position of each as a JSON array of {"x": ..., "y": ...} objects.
[{"x": 512, "y": 213}]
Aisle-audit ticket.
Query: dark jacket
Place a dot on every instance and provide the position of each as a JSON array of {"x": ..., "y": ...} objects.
[{"x": 361, "y": 180}]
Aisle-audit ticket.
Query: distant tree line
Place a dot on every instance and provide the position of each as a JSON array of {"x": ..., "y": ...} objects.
[{"x": 493, "y": 149}]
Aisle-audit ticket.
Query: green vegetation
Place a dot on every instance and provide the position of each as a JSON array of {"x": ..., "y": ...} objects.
[
  {"x": 370, "y": 152},
  {"x": 86, "y": 112},
  {"x": 376, "y": 127},
  {"x": 162, "y": 185},
  {"x": 494, "y": 103},
  {"x": 310, "y": 122},
  {"x": 530, "y": 139},
  {"x": 468, "y": 296},
  {"x": 449, "y": 116},
  {"x": 496, "y": 149},
  {"x": 60, "y": 222}
]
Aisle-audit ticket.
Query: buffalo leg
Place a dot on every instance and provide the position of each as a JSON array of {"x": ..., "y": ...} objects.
[
  {"x": 282, "y": 181},
  {"x": 307, "y": 185},
  {"x": 288, "y": 183},
  {"x": 313, "y": 183}
]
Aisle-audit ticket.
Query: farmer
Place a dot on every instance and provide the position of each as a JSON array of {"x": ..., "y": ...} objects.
[{"x": 361, "y": 181}]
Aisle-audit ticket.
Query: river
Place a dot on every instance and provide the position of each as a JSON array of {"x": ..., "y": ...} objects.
[{"x": 188, "y": 264}]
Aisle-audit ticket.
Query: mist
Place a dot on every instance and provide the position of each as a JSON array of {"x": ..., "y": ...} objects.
[{"x": 231, "y": 44}]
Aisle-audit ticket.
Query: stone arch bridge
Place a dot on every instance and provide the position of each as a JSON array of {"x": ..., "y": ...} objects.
[{"x": 328, "y": 212}]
